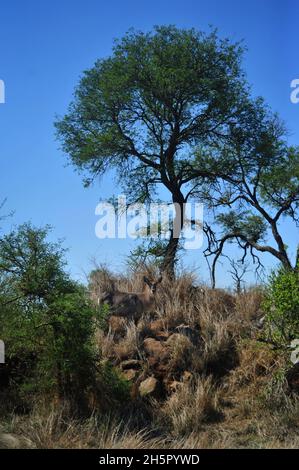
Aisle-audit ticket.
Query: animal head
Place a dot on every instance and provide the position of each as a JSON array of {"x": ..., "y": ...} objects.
[{"x": 152, "y": 285}]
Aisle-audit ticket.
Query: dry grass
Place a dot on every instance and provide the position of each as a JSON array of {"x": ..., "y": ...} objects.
[
  {"x": 129, "y": 346},
  {"x": 191, "y": 405},
  {"x": 244, "y": 369},
  {"x": 55, "y": 429},
  {"x": 189, "y": 419},
  {"x": 236, "y": 396},
  {"x": 172, "y": 306},
  {"x": 248, "y": 304},
  {"x": 257, "y": 364},
  {"x": 183, "y": 355}
]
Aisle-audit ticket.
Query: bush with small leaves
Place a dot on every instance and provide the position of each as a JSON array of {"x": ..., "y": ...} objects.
[{"x": 282, "y": 307}]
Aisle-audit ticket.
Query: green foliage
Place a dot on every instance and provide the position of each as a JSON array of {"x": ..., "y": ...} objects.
[
  {"x": 118, "y": 387},
  {"x": 172, "y": 107},
  {"x": 282, "y": 307},
  {"x": 102, "y": 316},
  {"x": 72, "y": 349},
  {"x": 150, "y": 252},
  {"x": 274, "y": 394},
  {"x": 44, "y": 315},
  {"x": 279, "y": 181},
  {"x": 245, "y": 224},
  {"x": 143, "y": 110}
]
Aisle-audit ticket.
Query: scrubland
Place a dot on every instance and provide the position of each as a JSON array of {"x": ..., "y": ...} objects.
[{"x": 194, "y": 373}]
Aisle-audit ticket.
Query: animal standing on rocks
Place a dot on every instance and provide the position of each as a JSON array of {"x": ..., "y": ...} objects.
[{"x": 132, "y": 304}]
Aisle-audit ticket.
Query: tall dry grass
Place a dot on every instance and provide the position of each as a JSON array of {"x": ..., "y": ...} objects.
[
  {"x": 193, "y": 404},
  {"x": 233, "y": 398}
]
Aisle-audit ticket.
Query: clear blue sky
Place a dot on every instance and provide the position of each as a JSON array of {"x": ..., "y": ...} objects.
[{"x": 45, "y": 46}]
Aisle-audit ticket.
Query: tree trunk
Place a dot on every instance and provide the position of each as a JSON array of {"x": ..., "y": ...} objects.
[
  {"x": 170, "y": 256},
  {"x": 169, "y": 261},
  {"x": 297, "y": 260}
]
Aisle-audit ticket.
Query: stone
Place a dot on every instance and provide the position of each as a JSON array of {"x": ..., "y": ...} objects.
[
  {"x": 157, "y": 354},
  {"x": 156, "y": 325},
  {"x": 149, "y": 386},
  {"x": 162, "y": 335},
  {"x": 160, "y": 368},
  {"x": 154, "y": 348}
]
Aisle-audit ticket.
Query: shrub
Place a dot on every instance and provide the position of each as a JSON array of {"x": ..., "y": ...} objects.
[
  {"x": 282, "y": 307},
  {"x": 46, "y": 319}
]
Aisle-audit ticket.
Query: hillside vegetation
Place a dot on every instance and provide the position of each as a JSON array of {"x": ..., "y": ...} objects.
[{"x": 198, "y": 371}]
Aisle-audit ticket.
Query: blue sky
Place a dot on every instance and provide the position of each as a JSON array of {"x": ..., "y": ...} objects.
[{"x": 45, "y": 46}]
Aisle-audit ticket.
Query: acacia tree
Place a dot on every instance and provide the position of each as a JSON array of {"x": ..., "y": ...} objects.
[
  {"x": 255, "y": 187},
  {"x": 146, "y": 110}
]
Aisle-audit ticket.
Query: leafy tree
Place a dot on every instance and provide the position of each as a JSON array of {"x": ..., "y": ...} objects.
[
  {"x": 146, "y": 110},
  {"x": 44, "y": 315}
]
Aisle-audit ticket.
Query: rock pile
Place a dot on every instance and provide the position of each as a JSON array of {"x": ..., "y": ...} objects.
[{"x": 162, "y": 362}]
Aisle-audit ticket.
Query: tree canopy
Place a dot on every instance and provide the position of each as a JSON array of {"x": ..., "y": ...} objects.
[{"x": 173, "y": 108}]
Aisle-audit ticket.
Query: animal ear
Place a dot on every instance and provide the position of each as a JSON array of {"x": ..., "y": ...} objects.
[
  {"x": 145, "y": 279},
  {"x": 159, "y": 279}
]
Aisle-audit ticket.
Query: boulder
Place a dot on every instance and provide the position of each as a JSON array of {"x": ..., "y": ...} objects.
[
  {"x": 162, "y": 335},
  {"x": 156, "y": 326},
  {"x": 149, "y": 387},
  {"x": 160, "y": 369},
  {"x": 155, "y": 348}
]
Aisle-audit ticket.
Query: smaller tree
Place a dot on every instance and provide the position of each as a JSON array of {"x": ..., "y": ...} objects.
[
  {"x": 282, "y": 308},
  {"x": 44, "y": 315},
  {"x": 238, "y": 271}
]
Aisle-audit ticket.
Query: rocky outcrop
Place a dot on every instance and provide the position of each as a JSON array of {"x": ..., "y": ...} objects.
[
  {"x": 155, "y": 349},
  {"x": 164, "y": 356}
]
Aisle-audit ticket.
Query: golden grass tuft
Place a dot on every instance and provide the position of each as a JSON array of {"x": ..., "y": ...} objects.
[{"x": 191, "y": 405}]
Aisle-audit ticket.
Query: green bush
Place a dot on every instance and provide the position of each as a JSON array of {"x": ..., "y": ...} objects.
[
  {"x": 47, "y": 323},
  {"x": 117, "y": 387},
  {"x": 103, "y": 314},
  {"x": 282, "y": 307},
  {"x": 44, "y": 316}
]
